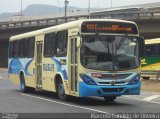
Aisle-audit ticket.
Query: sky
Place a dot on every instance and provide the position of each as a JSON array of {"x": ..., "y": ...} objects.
[{"x": 15, "y": 5}]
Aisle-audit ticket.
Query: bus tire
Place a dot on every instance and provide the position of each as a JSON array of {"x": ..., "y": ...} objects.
[
  {"x": 61, "y": 91},
  {"x": 110, "y": 98},
  {"x": 23, "y": 87}
]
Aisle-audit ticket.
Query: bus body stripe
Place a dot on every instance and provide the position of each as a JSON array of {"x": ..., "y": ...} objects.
[
  {"x": 59, "y": 69},
  {"x": 16, "y": 66}
]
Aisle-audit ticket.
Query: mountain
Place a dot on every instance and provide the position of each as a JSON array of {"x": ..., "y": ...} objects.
[{"x": 39, "y": 9}]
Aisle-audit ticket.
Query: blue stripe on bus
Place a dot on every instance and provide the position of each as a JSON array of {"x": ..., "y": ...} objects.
[
  {"x": 9, "y": 68},
  {"x": 16, "y": 66},
  {"x": 59, "y": 69},
  {"x": 94, "y": 90},
  {"x": 27, "y": 65}
]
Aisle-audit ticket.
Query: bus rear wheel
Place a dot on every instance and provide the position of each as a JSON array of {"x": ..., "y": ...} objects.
[
  {"x": 23, "y": 86},
  {"x": 110, "y": 98},
  {"x": 61, "y": 91}
]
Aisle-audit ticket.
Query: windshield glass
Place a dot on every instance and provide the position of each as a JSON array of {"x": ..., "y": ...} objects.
[{"x": 110, "y": 52}]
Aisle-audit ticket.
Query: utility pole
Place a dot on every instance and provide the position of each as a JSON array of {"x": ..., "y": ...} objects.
[
  {"x": 111, "y": 3},
  {"x": 66, "y": 2},
  {"x": 21, "y": 9},
  {"x": 89, "y": 2},
  {"x": 88, "y": 6}
]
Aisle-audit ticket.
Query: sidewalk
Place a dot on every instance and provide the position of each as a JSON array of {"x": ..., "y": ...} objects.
[{"x": 151, "y": 85}]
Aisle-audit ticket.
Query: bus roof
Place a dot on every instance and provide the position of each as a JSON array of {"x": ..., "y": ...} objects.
[
  {"x": 64, "y": 26},
  {"x": 152, "y": 41}
]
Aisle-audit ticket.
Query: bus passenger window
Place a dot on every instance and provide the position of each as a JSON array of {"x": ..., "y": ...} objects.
[
  {"x": 62, "y": 38},
  {"x": 31, "y": 45},
  {"x": 15, "y": 49},
  {"x": 23, "y": 48},
  {"x": 11, "y": 49},
  {"x": 148, "y": 51},
  {"x": 151, "y": 50},
  {"x": 158, "y": 45},
  {"x": 49, "y": 45}
]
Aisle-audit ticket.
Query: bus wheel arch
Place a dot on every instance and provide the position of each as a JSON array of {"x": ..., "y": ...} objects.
[
  {"x": 56, "y": 79},
  {"x": 59, "y": 86}
]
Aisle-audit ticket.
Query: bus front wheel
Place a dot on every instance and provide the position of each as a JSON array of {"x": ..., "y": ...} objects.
[
  {"x": 110, "y": 98},
  {"x": 61, "y": 91}
]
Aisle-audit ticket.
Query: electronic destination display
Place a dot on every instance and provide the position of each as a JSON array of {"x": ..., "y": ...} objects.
[{"x": 108, "y": 27}]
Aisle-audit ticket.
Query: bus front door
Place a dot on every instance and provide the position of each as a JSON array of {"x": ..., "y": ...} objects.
[
  {"x": 38, "y": 65},
  {"x": 73, "y": 66}
]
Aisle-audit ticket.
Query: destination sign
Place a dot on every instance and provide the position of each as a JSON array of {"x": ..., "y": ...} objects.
[{"x": 108, "y": 27}]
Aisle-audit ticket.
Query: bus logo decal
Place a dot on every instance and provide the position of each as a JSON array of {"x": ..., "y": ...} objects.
[
  {"x": 60, "y": 68},
  {"x": 112, "y": 83},
  {"x": 48, "y": 67}
]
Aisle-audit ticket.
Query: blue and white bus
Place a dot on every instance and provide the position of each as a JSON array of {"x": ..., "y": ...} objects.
[{"x": 92, "y": 57}]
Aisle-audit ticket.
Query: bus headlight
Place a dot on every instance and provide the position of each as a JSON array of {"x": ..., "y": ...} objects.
[
  {"x": 88, "y": 80},
  {"x": 134, "y": 80}
]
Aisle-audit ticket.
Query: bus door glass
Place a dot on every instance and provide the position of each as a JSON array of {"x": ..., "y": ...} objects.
[
  {"x": 39, "y": 64},
  {"x": 73, "y": 64}
]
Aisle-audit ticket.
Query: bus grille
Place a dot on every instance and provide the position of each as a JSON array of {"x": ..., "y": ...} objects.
[
  {"x": 112, "y": 89},
  {"x": 107, "y": 83},
  {"x": 114, "y": 76}
]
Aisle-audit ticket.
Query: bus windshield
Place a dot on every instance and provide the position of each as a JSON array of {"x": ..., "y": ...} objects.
[{"x": 110, "y": 52}]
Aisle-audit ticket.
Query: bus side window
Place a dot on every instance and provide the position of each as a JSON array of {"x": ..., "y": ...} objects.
[
  {"x": 54, "y": 41},
  {"x": 151, "y": 50},
  {"x": 20, "y": 48},
  {"x": 31, "y": 45},
  {"x": 158, "y": 49},
  {"x": 25, "y": 44},
  {"x": 11, "y": 49},
  {"x": 62, "y": 40},
  {"x": 23, "y": 48},
  {"x": 49, "y": 45},
  {"x": 15, "y": 49}
]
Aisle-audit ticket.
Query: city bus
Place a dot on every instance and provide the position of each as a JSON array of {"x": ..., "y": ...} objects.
[
  {"x": 90, "y": 57},
  {"x": 151, "y": 60}
]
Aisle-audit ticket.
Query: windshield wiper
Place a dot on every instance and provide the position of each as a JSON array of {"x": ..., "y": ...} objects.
[{"x": 121, "y": 42}]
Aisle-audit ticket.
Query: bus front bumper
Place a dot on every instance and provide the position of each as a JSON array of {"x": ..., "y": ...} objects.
[{"x": 94, "y": 90}]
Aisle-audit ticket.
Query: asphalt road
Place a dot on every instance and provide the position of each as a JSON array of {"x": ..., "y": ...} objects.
[{"x": 13, "y": 101}]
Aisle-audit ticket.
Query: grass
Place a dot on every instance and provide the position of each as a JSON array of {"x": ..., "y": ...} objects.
[{"x": 151, "y": 85}]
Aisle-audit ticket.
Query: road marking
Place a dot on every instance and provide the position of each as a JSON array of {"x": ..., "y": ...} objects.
[
  {"x": 66, "y": 104},
  {"x": 151, "y": 97},
  {"x": 137, "y": 99},
  {"x": 86, "y": 108}
]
